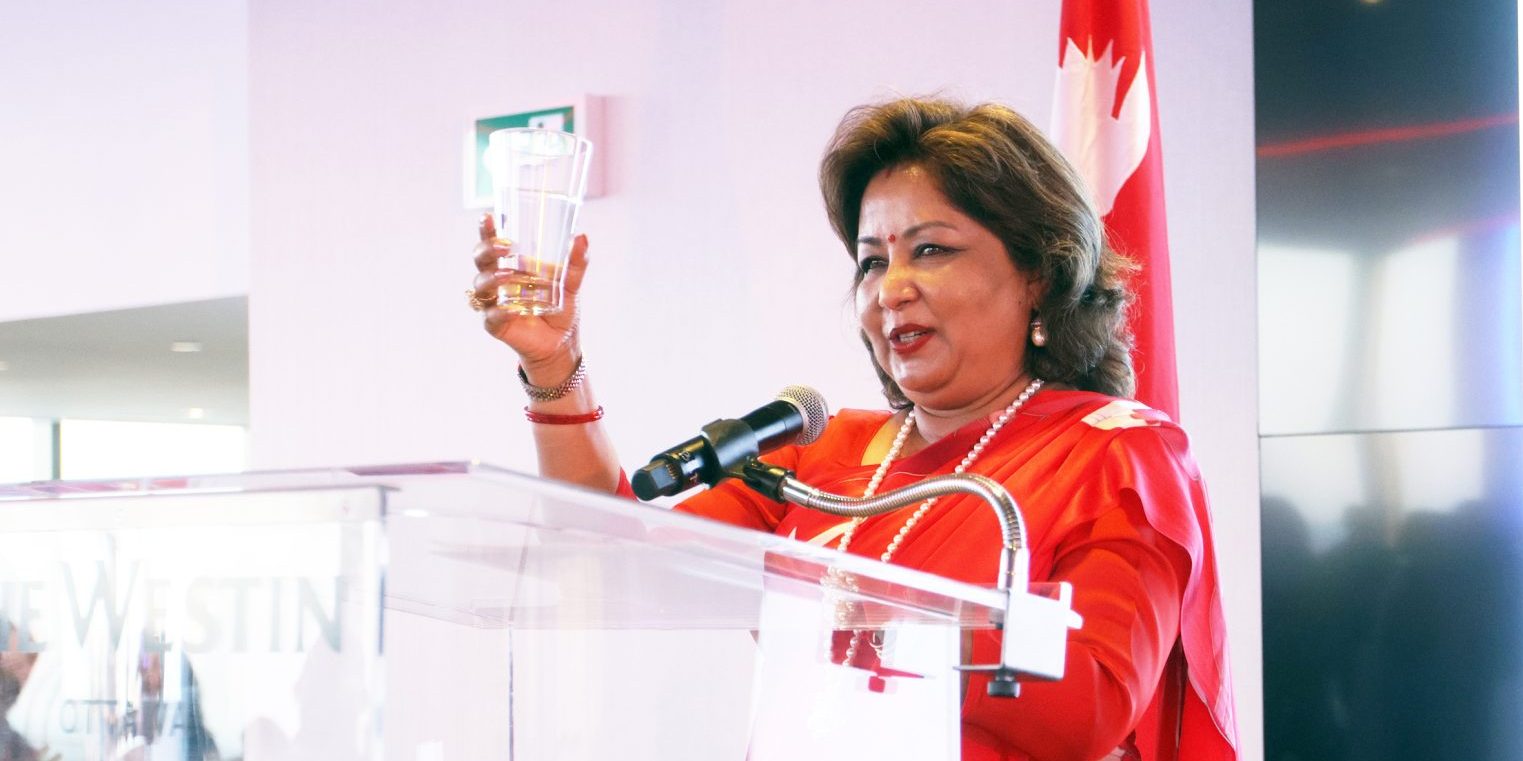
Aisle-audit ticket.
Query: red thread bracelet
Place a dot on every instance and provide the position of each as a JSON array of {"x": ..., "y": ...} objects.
[{"x": 547, "y": 418}]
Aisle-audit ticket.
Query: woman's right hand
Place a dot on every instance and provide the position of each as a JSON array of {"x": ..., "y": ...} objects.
[{"x": 546, "y": 345}]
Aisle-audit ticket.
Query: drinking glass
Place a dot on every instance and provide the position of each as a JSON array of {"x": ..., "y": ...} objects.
[{"x": 539, "y": 180}]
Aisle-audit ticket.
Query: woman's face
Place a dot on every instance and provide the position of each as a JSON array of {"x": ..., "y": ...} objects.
[{"x": 945, "y": 310}]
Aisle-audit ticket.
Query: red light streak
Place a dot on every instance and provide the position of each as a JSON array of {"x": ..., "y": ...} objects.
[{"x": 1359, "y": 138}]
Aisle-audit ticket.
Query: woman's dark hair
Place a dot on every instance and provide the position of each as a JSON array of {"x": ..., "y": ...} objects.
[{"x": 997, "y": 168}]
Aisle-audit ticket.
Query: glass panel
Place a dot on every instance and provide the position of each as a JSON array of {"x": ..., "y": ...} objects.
[
  {"x": 1393, "y": 595},
  {"x": 563, "y": 623},
  {"x": 1391, "y": 358},
  {"x": 197, "y": 627},
  {"x": 1388, "y": 209},
  {"x": 1421, "y": 336}
]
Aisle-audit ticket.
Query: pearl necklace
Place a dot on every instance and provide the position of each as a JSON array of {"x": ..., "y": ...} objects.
[
  {"x": 882, "y": 471},
  {"x": 893, "y": 453}
]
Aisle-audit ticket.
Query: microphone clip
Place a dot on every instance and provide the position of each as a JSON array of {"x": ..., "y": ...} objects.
[
  {"x": 763, "y": 478},
  {"x": 730, "y": 443}
]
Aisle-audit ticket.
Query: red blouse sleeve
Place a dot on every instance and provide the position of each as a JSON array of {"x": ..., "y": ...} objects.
[
  {"x": 1128, "y": 581},
  {"x": 735, "y": 504}
]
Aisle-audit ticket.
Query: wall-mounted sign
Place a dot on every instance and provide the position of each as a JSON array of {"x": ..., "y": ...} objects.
[{"x": 582, "y": 117}]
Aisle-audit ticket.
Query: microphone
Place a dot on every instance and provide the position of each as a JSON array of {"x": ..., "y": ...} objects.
[{"x": 798, "y": 415}]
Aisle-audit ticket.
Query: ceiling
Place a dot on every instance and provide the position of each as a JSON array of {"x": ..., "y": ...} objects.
[{"x": 119, "y": 365}]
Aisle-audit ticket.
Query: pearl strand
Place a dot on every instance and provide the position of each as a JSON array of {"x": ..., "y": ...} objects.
[
  {"x": 962, "y": 467},
  {"x": 882, "y": 471}
]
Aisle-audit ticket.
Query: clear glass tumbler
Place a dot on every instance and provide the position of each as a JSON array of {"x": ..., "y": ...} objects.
[{"x": 539, "y": 179}]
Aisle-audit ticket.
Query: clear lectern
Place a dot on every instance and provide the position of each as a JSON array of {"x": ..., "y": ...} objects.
[{"x": 452, "y": 611}]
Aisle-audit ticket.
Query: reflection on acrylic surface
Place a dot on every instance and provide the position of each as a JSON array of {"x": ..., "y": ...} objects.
[
  {"x": 195, "y": 633},
  {"x": 1424, "y": 335},
  {"x": 1393, "y": 614}
]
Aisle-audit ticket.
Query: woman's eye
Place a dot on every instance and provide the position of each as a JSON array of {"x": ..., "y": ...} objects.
[
  {"x": 868, "y": 264},
  {"x": 930, "y": 249}
]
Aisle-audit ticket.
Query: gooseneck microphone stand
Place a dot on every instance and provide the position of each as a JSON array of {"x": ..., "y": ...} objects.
[{"x": 1035, "y": 626}]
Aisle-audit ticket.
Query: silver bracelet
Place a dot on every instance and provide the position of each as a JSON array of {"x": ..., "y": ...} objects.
[{"x": 551, "y": 393}]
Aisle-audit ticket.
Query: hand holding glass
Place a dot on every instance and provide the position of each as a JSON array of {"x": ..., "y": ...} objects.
[{"x": 539, "y": 179}]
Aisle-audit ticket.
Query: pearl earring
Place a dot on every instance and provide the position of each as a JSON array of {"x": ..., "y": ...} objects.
[{"x": 1038, "y": 333}]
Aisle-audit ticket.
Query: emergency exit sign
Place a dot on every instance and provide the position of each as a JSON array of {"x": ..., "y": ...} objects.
[{"x": 581, "y": 117}]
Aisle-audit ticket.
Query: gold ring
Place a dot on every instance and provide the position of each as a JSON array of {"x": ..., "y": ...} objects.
[{"x": 477, "y": 303}]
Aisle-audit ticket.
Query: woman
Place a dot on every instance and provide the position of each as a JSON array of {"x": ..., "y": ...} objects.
[{"x": 994, "y": 315}]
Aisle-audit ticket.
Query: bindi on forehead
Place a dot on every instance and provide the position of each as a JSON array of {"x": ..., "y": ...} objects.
[{"x": 892, "y": 238}]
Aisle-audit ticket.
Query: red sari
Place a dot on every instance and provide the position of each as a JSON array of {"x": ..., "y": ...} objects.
[{"x": 1113, "y": 504}]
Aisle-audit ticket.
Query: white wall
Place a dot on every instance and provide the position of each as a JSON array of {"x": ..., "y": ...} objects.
[
  {"x": 714, "y": 278},
  {"x": 1205, "y": 89},
  {"x": 123, "y": 154}
]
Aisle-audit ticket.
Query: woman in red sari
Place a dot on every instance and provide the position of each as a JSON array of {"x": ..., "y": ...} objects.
[{"x": 994, "y": 315}]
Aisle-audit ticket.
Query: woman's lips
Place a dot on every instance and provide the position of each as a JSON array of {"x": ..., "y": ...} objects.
[{"x": 908, "y": 339}]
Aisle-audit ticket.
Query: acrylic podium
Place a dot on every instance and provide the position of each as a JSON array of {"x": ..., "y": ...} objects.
[{"x": 453, "y": 611}]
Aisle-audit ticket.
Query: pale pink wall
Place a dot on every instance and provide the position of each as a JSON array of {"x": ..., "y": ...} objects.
[
  {"x": 123, "y": 154},
  {"x": 1205, "y": 90},
  {"x": 714, "y": 278}
]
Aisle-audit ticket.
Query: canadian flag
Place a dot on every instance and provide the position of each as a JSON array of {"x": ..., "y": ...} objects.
[{"x": 1105, "y": 120}]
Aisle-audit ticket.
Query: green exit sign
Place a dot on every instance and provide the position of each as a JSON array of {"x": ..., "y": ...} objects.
[{"x": 581, "y": 118}]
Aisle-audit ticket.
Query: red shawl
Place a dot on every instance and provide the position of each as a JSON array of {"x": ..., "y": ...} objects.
[{"x": 1114, "y": 504}]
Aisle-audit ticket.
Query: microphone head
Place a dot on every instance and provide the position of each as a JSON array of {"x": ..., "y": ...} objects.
[{"x": 810, "y": 404}]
